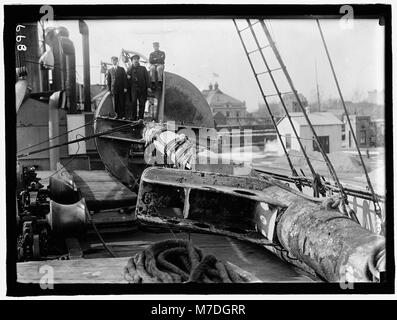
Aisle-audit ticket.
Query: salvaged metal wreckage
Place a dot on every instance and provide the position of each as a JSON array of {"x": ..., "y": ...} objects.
[
  {"x": 176, "y": 190},
  {"x": 310, "y": 233}
]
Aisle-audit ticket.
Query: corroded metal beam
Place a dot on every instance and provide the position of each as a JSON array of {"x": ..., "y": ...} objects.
[
  {"x": 297, "y": 228},
  {"x": 336, "y": 247}
]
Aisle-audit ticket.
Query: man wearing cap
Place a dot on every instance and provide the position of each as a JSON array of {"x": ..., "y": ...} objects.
[
  {"x": 138, "y": 78},
  {"x": 117, "y": 85},
  {"x": 156, "y": 60}
]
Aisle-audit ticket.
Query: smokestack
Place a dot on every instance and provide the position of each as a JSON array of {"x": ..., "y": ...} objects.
[{"x": 83, "y": 28}]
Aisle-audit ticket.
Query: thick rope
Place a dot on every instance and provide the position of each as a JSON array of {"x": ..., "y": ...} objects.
[{"x": 178, "y": 261}]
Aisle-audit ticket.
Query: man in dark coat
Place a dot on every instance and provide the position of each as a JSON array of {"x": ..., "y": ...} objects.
[
  {"x": 156, "y": 59},
  {"x": 140, "y": 86},
  {"x": 117, "y": 85}
]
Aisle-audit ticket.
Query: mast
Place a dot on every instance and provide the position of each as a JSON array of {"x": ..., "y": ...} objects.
[{"x": 318, "y": 92}]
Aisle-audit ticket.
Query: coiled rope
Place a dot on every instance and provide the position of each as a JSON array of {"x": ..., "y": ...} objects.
[{"x": 178, "y": 261}]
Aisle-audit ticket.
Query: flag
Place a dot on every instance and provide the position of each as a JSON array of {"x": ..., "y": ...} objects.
[{"x": 215, "y": 75}]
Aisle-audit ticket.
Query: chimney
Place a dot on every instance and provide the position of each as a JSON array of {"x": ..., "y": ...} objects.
[
  {"x": 216, "y": 86},
  {"x": 210, "y": 86}
]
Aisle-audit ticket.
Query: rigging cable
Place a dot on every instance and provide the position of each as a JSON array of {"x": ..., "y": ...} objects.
[
  {"x": 74, "y": 141},
  {"x": 375, "y": 198},
  {"x": 67, "y": 163},
  {"x": 112, "y": 254}
]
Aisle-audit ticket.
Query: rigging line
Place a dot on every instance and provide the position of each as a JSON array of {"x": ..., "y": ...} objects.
[
  {"x": 272, "y": 30},
  {"x": 74, "y": 141},
  {"x": 60, "y": 135},
  {"x": 280, "y": 97},
  {"x": 375, "y": 198},
  {"x": 329, "y": 164},
  {"x": 100, "y": 236},
  {"x": 266, "y": 103},
  {"x": 351, "y": 191}
]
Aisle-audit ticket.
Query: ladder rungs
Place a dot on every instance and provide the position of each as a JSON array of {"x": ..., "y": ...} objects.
[
  {"x": 261, "y": 48},
  {"x": 269, "y": 71},
  {"x": 276, "y": 94},
  {"x": 249, "y": 26}
]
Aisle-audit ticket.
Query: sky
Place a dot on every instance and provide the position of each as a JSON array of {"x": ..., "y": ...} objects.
[{"x": 209, "y": 50}]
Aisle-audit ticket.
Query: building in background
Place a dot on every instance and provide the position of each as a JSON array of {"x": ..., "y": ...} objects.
[
  {"x": 378, "y": 132},
  {"x": 363, "y": 131},
  {"x": 376, "y": 97},
  {"x": 277, "y": 109},
  {"x": 221, "y": 104},
  {"x": 231, "y": 114},
  {"x": 292, "y": 104},
  {"x": 327, "y": 126}
]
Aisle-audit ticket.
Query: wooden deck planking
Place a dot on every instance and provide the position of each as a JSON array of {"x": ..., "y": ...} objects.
[
  {"x": 104, "y": 270},
  {"x": 99, "y": 267}
]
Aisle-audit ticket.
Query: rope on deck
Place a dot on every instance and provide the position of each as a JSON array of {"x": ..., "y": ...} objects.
[{"x": 178, "y": 261}]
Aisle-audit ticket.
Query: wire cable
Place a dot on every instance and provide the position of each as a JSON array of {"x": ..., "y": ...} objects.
[
  {"x": 60, "y": 135},
  {"x": 112, "y": 254},
  {"x": 74, "y": 141},
  {"x": 375, "y": 199}
]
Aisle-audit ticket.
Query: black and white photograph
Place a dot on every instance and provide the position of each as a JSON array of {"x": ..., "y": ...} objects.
[{"x": 210, "y": 149}]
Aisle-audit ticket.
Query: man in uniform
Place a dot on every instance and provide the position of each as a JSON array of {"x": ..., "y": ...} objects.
[
  {"x": 117, "y": 85},
  {"x": 139, "y": 85},
  {"x": 156, "y": 59}
]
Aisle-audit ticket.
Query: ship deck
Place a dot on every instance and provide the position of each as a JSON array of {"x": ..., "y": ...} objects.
[{"x": 91, "y": 263}]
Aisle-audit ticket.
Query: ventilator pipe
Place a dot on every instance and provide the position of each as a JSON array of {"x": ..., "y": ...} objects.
[
  {"x": 83, "y": 28},
  {"x": 52, "y": 36},
  {"x": 68, "y": 50},
  {"x": 334, "y": 246},
  {"x": 57, "y": 100}
]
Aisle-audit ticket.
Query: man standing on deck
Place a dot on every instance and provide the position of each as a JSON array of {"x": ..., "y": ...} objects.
[
  {"x": 156, "y": 59},
  {"x": 140, "y": 86},
  {"x": 117, "y": 85}
]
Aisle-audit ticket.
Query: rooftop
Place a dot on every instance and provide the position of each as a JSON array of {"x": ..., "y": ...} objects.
[{"x": 215, "y": 97}]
